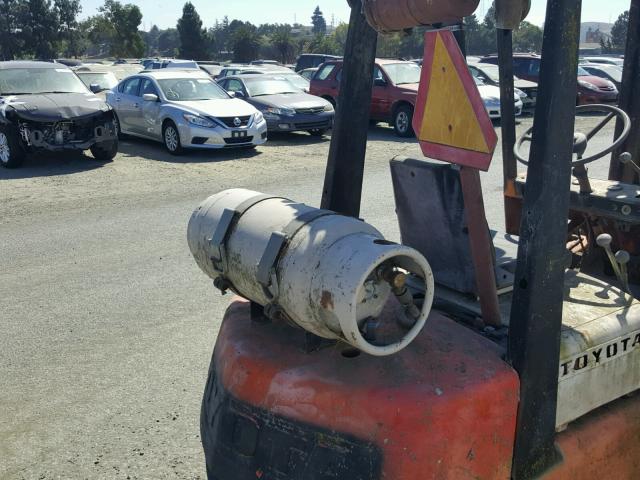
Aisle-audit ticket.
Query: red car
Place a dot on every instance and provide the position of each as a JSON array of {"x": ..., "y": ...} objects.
[
  {"x": 591, "y": 89},
  {"x": 395, "y": 89}
]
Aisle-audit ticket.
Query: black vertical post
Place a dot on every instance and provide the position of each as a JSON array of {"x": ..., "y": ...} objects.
[
  {"x": 536, "y": 312},
  {"x": 345, "y": 168},
  {"x": 508, "y": 126},
  {"x": 630, "y": 100}
]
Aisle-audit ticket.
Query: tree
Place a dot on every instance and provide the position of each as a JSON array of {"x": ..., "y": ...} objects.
[
  {"x": 245, "y": 41},
  {"x": 319, "y": 23},
  {"x": 69, "y": 35},
  {"x": 168, "y": 42},
  {"x": 10, "y": 42},
  {"x": 527, "y": 38},
  {"x": 283, "y": 43},
  {"x": 193, "y": 38},
  {"x": 619, "y": 31},
  {"x": 38, "y": 25},
  {"x": 151, "y": 40},
  {"x": 123, "y": 22}
]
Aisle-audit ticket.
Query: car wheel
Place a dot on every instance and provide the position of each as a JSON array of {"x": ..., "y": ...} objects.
[
  {"x": 171, "y": 138},
  {"x": 11, "y": 152},
  {"x": 105, "y": 151},
  {"x": 318, "y": 132},
  {"x": 402, "y": 121},
  {"x": 116, "y": 125}
]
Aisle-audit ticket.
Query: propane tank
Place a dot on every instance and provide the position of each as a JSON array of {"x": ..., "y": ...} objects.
[
  {"x": 330, "y": 274},
  {"x": 395, "y": 15}
]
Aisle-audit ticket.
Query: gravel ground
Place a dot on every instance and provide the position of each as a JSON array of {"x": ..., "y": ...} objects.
[{"x": 108, "y": 325}]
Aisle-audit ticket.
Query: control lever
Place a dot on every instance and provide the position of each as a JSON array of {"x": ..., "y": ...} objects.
[
  {"x": 626, "y": 159},
  {"x": 604, "y": 241},
  {"x": 623, "y": 258}
]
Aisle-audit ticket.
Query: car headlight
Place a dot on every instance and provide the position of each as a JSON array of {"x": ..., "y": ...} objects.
[
  {"x": 198, "y": 121},
  {"x": 288, "y": 112},
  {"x": 328, "y": 107},
  {"x": 520, "y": 93},
  {"x": 258, "y": 117},
  {"x": 588, "y": 85}
]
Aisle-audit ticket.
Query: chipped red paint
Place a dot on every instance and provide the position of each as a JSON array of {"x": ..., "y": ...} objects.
[{"x": 444, "y": 407}]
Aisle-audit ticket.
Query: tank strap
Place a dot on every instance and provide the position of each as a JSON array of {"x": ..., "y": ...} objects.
[
  {"x": 227, "y": 221},
  {"x": 278, "y": 242}
]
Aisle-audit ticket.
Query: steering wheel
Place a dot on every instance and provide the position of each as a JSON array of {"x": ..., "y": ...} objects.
[{"x": 581, "y": 140}]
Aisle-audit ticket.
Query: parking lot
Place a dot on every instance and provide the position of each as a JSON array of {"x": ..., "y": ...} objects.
[{"x": 107, "y": 323}]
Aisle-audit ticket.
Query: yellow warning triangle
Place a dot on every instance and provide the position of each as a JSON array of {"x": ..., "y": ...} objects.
[{"x": 449, "y": 118}]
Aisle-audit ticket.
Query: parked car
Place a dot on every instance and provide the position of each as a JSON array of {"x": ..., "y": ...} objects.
[
  {"x": 45, "y": 106},
  {"x": 182, "y": 64},
  {"x": 591, "y": 89},
  {"x": 491, "y": 98},
  {"x": 231, "y": 70},
  {"x": 297, "y": 80},
  {"x": 618, "y": 62},
  {"x": 97, "y": 80},
  {"x": 312, "y": 60},
  {"x": 606, "y": 71},
  {"x": 489, "y": 74},
  {"x": 395, "y": 88},
  {"x": 308, "y": 73},
  {"x": 185, "y": 109},
  {"x": 212, "y": 70},
  {"x": 285, "y": 107},
  {"x": 265, "y": 62}
]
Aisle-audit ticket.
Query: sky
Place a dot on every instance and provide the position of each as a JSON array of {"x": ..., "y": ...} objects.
[{"x": 165, "y": 13}]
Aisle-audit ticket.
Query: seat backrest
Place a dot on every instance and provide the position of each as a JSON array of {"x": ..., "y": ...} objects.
[{"x": 431, "y": 214}]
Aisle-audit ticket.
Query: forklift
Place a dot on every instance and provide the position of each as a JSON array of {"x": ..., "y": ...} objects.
[{"x": 461, "y": 353}]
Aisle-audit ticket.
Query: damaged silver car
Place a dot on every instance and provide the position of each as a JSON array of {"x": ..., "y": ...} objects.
[{"x": 45, "y": 106}]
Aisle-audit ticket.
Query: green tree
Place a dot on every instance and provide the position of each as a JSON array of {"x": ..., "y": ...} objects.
[
  {"x": 10, "y": 42},
  {"x": 38, "y": 24},
  {"x": 246, "y": 42},
  {"x": 527, "y": 38},
  {"x": 151, "y": 40},
  {"x": 193, "y": 38},
  {"x": 340, "y": 36},
  {"x": 283, "y": 43},
  {"x": 69, "y": 34},
  {"x": 123, "y": 22},
  {"x": 619, "y": 31},
  {"x": 168, "y": 42},
  {"x": 319, "y": 23}
]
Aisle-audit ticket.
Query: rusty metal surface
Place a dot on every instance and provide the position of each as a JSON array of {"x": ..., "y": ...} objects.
[
  {"x": 395, "y": 15},
  {"x": 509, "y": 13}
]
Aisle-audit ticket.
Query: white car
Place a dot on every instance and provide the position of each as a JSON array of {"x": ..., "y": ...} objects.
[
  {"x": 185, "y": 109},
  {"x": 491, "y": 98}
]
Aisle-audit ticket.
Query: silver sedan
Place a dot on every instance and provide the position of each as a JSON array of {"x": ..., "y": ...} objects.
[{"x": 185, "y": 109}]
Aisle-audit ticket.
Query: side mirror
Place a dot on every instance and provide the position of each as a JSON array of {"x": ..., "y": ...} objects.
[
  {"x": 379, "y": 82},
  {"x": 150, "y": 97},
  {"x": 95, "y": 88},
  {"x": 238, "y": 94},
  {"x": 232, "y": 94}
]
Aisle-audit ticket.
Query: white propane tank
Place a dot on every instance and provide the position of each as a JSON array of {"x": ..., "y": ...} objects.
[{"x": 329, "y": 274}]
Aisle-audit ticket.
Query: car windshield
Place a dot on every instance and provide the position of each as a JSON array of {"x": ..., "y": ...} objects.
[
  {"x": 258, "y": 87},
  {"x": 106, "y": 80},
  {"x": 614, "y": 72},
  {"x": 189, "y": 89},
  {"x": 297, "y": 80},
  {"x": 403, "y": 73},
  {"x": 27, "y": 81},
  {"x": 582, "y": 72}
]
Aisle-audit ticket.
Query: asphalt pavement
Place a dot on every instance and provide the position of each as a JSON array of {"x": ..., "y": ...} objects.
[{"x": 107, "y": 323}]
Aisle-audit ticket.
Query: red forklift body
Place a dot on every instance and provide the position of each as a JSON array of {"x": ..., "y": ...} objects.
[{"x": 443, "y": 408}]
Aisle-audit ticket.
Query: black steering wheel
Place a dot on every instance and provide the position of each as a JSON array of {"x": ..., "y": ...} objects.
[{"x": 581, "y": 140}]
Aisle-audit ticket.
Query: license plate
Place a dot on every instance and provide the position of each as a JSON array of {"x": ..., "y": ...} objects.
[{"x": 239, "y": 134}]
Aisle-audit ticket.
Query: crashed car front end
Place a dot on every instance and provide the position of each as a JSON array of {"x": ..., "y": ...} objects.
[{"x": 72, "y": 134}]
